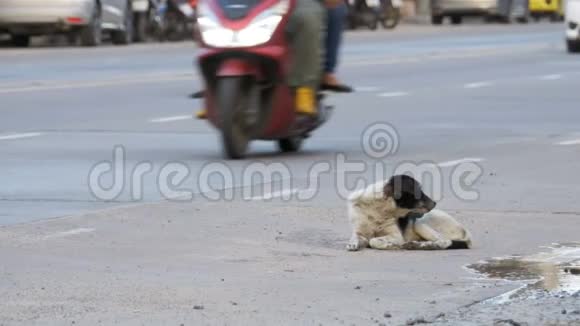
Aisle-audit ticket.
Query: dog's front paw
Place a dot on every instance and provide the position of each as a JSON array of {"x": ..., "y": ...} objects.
[{"x": 352, "y": 246}]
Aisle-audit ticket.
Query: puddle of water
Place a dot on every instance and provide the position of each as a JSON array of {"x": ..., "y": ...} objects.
[{"x": 556, "y": 271}]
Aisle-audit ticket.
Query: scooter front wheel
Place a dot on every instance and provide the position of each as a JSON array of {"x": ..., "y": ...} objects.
[
  {"x": 290, "y": 144},
  {"x": 233, "y": 101}
]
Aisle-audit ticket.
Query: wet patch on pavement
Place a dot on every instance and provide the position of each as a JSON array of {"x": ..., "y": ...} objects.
[{"x": 555, "y": 272}]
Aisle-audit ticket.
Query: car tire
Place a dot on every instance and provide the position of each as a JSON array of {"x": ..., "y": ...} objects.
[
  {"x": 72, "y": 38},
  {"x": 125, "y": 35},
  {"x": 92, "y": 34},
  {"x": 21, "y": 41},
  {"x": 573, "y": 46},
  {"x": 436, "y": 19},
  {"x": 456, "y": 20}
]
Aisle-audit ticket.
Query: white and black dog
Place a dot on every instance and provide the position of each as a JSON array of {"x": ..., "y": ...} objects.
[{"x": 396, "y": 214}]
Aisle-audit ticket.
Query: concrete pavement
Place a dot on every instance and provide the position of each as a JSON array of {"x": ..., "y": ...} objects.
[{"x": 503, "y": 95}]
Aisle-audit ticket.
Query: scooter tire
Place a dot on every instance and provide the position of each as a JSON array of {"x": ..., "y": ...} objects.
[
  {"x": 290, "y": 144},
  {"x": 232, "y": 102}
]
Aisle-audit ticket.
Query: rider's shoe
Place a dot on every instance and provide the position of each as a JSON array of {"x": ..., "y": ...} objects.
[
  {"x": 198, "y": 94},
  {"x": 338, "y": 88},
  {"x": 331, "y": 83},
  {"x": 201, "y": 114}
]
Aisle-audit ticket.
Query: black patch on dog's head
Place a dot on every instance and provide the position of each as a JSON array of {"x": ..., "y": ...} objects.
[{"x": 408, "y": 194}]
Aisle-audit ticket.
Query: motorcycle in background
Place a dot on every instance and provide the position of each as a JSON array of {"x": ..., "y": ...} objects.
[
  {"x": 143, "y": 19},
  {"x": 390, "y": 14},
  {"x": 174, "y": 19},
  {"x": 370, "y": 13}
]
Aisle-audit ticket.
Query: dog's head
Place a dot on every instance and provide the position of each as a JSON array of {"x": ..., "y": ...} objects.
[{"x": 407, "y": 195}]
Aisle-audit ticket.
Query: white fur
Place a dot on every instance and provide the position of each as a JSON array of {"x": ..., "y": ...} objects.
[
  {"x": 374, "y": 219},
  {"x": 435, "y": 231}
]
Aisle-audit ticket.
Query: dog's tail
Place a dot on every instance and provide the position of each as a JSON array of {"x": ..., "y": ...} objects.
[
  {"x": 459, "y": 244},
  {"x": 464, "y": 243}
]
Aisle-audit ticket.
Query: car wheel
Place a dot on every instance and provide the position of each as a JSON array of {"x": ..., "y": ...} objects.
[
  {"x": 21, "y": 41},
  {"x": 573, "y": 46},
  {"x": 436, "y": 19},
  {"x": 92, "y": 34},
  {"x": 488, "y": 19},
  {"x": 72, "y": 38},
  {"x": 456, "y": 20},
  {"x": 125, "y": 35}
]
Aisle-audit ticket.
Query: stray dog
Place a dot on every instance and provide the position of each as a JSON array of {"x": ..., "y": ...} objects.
[{"x": 398, "y": 215}]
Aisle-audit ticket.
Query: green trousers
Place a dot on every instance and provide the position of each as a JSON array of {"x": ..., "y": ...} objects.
[{"x": 305, "y": 31}]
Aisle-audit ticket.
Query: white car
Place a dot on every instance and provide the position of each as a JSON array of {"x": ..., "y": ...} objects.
[
  {"x": 84, "y": 19},
  {"x": 573, "y": 25}
]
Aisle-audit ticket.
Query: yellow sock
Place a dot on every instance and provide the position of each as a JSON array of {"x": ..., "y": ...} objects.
[
  {"x": 305, "y": 103},
  {"x": 201, "y": 114}
]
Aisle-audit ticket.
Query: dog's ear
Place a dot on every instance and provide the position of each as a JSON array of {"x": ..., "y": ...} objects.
[{"x": 388, "y": 191}]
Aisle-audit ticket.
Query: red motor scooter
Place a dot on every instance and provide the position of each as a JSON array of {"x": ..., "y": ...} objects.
[{"x": 244, "y": 60}]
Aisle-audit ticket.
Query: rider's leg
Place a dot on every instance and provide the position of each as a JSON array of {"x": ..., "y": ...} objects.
[
  {"x": 335, "y": 27},
  {"x": 305, "y": 34}
]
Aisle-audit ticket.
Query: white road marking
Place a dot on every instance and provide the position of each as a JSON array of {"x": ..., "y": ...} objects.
[
  {"x": 393, "y": 94},
  {"x": 171, "y": 119},
  {"x": 447, "y": 55},
  {"x": 551, "y": 77},
  {"x": 569, "y": 142},
  {"x": 366, "y": 89},
  {"x": 20, "y": 136},
  {"x": 448, "y": 164},
  {"x": 69, "y": 233},
  {"x": 477, "y": 84},
  {"x": 276, "y": 194},
  {"x": 54, "y": 85}
]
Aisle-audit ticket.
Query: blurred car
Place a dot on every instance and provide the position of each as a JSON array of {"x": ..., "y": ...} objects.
[
  {"x": 82, "y": 19},
  {"x": 554, "y": 9},
  {"x": 505, "y": 10},
  {"x": 573, "y": 26}
]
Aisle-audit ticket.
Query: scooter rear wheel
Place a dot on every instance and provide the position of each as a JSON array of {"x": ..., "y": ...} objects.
[{"x": 233, "y": 101}]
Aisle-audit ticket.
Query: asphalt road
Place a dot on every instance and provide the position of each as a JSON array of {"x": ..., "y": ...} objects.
[{"x": 503, "y": 97}]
